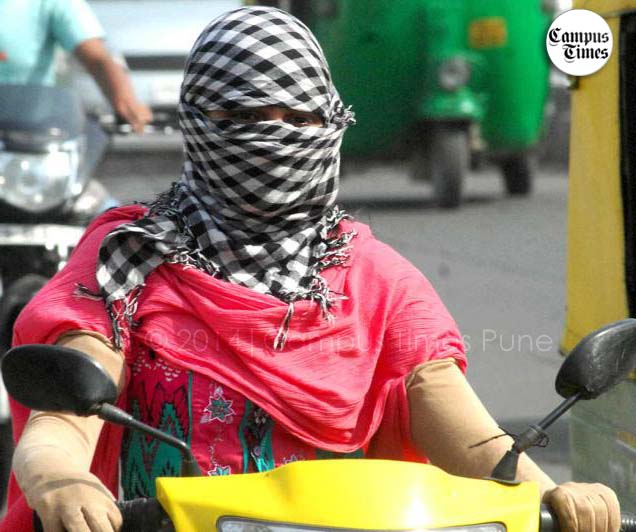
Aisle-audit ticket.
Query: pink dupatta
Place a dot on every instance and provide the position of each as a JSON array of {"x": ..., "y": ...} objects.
[{"x": 337, "y": 386}]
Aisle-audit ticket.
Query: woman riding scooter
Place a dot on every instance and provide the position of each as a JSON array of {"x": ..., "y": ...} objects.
[{"x": 248, "y": 314}]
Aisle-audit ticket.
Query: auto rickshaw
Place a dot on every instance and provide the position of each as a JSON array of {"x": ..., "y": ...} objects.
[
  {"x": 601, "y": 263},
  {"x": 438, "y": 81}
]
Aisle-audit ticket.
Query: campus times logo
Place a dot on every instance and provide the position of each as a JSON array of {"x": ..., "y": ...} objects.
[{"x": 579, "y": 42}]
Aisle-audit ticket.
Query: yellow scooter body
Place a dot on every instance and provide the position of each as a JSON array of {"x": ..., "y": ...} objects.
[{"x": 349, "y": 494}]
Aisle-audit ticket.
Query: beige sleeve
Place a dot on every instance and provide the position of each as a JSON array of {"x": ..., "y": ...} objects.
[
  {"x": 448, "y": 419},
  {"x": 66, "y": 437},
  {"x": 98, "y": 347}
]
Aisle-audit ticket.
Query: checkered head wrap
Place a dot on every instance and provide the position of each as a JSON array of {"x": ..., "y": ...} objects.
[{"x": 255, "y": 203}]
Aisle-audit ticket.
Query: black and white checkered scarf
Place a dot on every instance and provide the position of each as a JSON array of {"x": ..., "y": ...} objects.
[{"x": 255, "y": 203}]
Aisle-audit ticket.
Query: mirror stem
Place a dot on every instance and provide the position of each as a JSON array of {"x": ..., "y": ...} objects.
[
  {"x": 559, "y": 411},
  {"x": 108, "y": 412},
  {"x": 506, "y": 469}
]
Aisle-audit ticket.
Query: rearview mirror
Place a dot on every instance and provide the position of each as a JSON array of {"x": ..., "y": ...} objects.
[
  {"x": 599, "y": 361},
  {"x": 56, "y": 379}
]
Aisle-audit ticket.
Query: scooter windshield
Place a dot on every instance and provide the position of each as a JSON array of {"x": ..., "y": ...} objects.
[{"x": 35, "y": 112}]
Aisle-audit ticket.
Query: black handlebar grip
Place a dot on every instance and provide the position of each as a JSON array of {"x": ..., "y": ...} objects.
[
  {"x": 138, "y": 515},
  {"x": 37, "y": 523},
  {"x": 628, "y": 522},
  {"x": 548, "y": 521},
  {"x": 144, "y": 515}
]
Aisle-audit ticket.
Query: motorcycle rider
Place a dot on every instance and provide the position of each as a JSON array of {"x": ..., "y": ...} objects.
[
  {"x": 31, "y": 31},
  {"x": 247, "y": 311}
]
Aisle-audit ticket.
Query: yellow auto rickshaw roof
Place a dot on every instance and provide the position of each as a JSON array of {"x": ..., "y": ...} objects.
[{"x": 606, "y": 7}]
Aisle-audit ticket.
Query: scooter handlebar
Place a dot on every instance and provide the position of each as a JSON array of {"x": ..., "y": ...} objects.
[
  {"x": 141, "y": 515},
  {"x": 548, "y": 521},
  {"x": 145, "y": 515},
  {"x": 115, "y": 125},
  {"x": 138, "y": 515}
]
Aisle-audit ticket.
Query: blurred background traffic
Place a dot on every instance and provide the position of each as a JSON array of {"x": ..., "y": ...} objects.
[{"x": 446, "y": 88}]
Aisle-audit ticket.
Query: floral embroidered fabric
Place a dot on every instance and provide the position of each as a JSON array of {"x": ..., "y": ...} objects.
[{"x": 228, "y": 433}]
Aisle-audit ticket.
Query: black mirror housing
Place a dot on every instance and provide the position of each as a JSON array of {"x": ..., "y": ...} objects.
[
  {"x": 599, "y": 361},
  {"x": 56, "y": 379}
]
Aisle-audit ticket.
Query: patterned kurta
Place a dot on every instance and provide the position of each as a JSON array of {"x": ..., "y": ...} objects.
[{"x": 228, "y": 433}]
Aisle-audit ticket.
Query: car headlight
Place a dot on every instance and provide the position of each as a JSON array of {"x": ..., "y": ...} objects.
[
  {"x": 454, "y": 73},
  {"x": 37, "y": 182},
  {"x": 231, "y": 524}
]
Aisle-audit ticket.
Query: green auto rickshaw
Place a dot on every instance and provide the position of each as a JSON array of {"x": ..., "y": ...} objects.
[
  {"x": 438, "y": 81},
  {"x": 601, "y": 262}
]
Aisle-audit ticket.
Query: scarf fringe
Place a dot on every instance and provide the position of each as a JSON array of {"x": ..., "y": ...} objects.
[
  {"x": 283, "y": 330},
  {"x": 344, "y": 116},
  {"x": 83, "y": 291},
  {"x": 336, "y": 251},
  {"x": 124, "y": 317},
  {"x": 333, "y": 250}
]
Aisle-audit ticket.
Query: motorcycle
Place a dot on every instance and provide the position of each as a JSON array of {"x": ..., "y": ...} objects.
[
  {"x": 326, "y": 495},
  {"x": 49, "y": 150}
]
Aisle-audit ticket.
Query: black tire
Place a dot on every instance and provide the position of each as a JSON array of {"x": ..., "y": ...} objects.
[
  {"x": 450, "y": 159},
  {"x": 421, "y": 166},
  {"x": 518, "y": 174}
]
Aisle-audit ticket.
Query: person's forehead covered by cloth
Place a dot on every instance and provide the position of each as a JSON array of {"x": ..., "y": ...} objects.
[{"x": 261, "y": 56}]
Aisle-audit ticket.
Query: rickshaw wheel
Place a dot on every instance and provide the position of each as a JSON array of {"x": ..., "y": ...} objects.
[
  {"x": 450, "y": 162},
  {"x": 517, "y": 173},
  {"x": 421, "y": 164}
]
